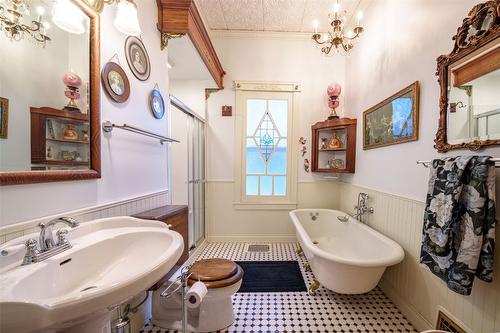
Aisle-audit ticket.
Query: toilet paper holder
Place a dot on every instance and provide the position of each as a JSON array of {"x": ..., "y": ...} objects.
[{"x": 180, "y": 283}]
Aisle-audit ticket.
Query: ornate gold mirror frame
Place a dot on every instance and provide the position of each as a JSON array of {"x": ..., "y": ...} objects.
[{"x": 465, "y": 44}]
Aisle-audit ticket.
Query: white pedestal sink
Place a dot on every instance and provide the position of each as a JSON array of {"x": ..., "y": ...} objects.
[{"x": 111, "y": 261}]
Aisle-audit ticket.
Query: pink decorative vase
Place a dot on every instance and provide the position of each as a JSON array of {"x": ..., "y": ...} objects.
[{"x": 72, "y": 82}]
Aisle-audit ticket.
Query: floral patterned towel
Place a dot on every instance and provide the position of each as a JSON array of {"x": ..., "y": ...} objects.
[{"x": 458, "y": 238}]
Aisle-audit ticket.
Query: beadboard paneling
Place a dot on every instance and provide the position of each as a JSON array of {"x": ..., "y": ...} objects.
[
  {"x": 120, "y": 208},
  {"x": 416, "y": 291}
]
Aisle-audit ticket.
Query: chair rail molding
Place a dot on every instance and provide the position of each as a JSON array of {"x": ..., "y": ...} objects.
[{"x": 179, "y": 17}]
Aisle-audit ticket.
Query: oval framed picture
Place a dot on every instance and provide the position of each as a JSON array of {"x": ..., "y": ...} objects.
[
  {"x": 137, "y": 58},
  {"x": 156, "y": 104},
  {"x": 115, "y": 82}
]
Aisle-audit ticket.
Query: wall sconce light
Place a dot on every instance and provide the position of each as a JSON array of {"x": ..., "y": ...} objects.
[{"x": 126, "y": 19}]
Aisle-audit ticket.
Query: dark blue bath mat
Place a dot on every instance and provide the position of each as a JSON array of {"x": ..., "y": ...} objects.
[{"x": 271, "y": 276}]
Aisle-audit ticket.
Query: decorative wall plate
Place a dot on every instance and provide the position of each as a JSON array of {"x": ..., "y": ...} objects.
[
  {"x": 156, "y": 104},
  {"x": 137, "y": 58},
  {"x": 115, "y": 82}
]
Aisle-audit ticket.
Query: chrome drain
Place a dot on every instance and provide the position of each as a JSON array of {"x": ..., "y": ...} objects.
[{"x": 88, "y": 288}]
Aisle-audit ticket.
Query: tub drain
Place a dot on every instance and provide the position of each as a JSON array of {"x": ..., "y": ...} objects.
[
  {"x": 88, "y": 288},
  {"x": 315, "y": 242}
]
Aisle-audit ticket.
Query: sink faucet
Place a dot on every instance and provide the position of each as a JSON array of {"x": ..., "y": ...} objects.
[
  {"x": 361, "y": 208},
  {"x": 48, "y": 247},
  {"x": 46, "y": 236}
]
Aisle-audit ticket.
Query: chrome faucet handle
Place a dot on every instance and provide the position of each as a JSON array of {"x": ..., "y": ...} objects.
[
  {"x": 31, "y": 251},
  {"x": 46, "y": 237},
  {"x": 62, "y": 235}
]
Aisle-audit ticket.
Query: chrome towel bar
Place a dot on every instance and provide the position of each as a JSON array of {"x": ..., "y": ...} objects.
[
  {"x": 108, "y": 126},
  {"x": 428, "y": 163}
]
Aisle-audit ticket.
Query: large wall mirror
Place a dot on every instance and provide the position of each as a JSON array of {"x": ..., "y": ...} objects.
[
  {"x": 470, "y": 83},
  {"x": 49, "y": 96}
]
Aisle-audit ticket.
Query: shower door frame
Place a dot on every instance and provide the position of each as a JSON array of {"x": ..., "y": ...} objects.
[{"x": 192, "y": 183}]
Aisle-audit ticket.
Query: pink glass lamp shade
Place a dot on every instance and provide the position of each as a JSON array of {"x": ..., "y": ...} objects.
[
  {"x": 72, "y": 80},
  {"x": 334, "y": 89}
]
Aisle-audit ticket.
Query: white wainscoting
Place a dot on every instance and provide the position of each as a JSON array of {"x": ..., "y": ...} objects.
[
  {"x": 124, "y": 207},
  {"x": 227, "y": 223},
  {"x": 416, "y": 291}
]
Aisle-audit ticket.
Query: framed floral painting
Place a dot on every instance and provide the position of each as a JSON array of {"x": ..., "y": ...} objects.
[{"x": 392, "y": 121}]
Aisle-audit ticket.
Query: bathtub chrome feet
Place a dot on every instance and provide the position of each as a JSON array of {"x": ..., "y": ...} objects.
[
  {"x": 307, "y": 267},
  {"x": 299, "y": 250},
  {"x": 313, "y": 287}
]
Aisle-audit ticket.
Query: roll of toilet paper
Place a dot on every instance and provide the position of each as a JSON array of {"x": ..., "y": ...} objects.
[{"x": 195, "y": 294}]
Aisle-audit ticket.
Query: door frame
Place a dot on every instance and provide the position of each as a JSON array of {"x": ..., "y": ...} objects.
[{"x": 187, "y": 110}]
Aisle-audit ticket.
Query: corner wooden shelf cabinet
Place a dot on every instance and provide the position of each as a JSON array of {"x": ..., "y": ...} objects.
[
  {"x": 334, "y": 146},
  {"x": 49, "y": 146}
]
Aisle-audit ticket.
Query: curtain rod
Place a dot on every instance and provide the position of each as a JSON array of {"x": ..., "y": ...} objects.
[{"x": 427, "y": 163}]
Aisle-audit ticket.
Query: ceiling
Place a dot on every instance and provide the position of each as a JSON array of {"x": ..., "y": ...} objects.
[{"x": 271, "y": 15}]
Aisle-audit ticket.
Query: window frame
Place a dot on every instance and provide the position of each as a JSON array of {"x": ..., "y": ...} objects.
[{"x": 265, "y": 90}]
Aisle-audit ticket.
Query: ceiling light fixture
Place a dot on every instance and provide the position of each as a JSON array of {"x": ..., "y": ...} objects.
[
  {"x": 336, "y": 36},
  {"x": 11, "y": 17}
]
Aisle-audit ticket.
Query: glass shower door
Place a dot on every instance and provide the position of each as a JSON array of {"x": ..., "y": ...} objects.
[
  {"x": 198, "y": 206},
  {"x": 196, "y": 187}
]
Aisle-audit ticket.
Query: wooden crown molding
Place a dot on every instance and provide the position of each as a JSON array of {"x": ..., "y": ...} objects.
[
  {"x": 464, "y": 45},
  {"x": 176, "y": 17}
]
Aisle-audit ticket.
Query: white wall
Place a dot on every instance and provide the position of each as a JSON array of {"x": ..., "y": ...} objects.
[
  {"x": 191, "y": 93},
  {"x": 402, "y": 40},
  {"x": 400, "y": 45},
  {"x": 131, "y": 165},
  {"x": 265, "y": 57},
  {"x": 268, "y": 57}
]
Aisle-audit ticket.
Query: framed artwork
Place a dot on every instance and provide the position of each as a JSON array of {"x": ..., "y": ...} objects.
[
  {"x": 4, "y": 117},
  {"x": 392, "y": 121},
  {"x": 115, "y": 82},
  {"x": 137, "y": 58},
  {"x": 156, "y": 104}
]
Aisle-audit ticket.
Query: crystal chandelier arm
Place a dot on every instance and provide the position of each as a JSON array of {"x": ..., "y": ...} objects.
[
  {"x": 35, "y": 26},
  {"x": 317, "y": 38}
]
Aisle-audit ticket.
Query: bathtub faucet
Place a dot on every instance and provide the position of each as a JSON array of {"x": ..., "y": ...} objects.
[{"x": 361, "y": 208}]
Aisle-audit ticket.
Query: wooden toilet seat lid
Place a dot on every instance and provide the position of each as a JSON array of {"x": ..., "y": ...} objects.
[
  {"x": 229, "y": 281},
  {"x": 213, "y": 270}
]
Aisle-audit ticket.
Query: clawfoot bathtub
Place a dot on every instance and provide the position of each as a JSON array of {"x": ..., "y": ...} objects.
[{"x": 345, "y": 255}]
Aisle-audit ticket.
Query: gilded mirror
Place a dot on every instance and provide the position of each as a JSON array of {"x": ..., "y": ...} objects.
[
  {"x": 50, "y": 73},
  {"x": 469, "y": 79}
]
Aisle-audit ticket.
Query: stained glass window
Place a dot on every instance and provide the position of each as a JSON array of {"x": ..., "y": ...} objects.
[{"x": 266, "y": 147}]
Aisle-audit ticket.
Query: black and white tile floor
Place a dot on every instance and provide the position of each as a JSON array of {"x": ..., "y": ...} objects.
[{"x": 297, "y": 311}]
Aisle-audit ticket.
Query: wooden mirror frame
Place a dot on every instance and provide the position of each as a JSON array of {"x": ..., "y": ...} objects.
[
  {"x": 94, "y": 171},
  {"x": 462, "y": 48}
]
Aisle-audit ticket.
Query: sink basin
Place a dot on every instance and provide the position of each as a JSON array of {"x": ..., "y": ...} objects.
[{"x": 111, "y": 260}]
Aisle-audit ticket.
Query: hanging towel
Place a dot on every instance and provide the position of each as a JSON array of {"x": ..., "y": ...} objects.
[{"x": 458, "y": 238}]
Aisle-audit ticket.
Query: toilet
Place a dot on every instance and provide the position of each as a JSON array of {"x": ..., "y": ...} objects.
[{"x": 222, "y": 278}]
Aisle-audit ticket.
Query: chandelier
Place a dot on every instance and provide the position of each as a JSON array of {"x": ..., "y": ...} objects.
[
  {"x": 11, "y": 17},
  {"x": 336, "y": 36}
]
